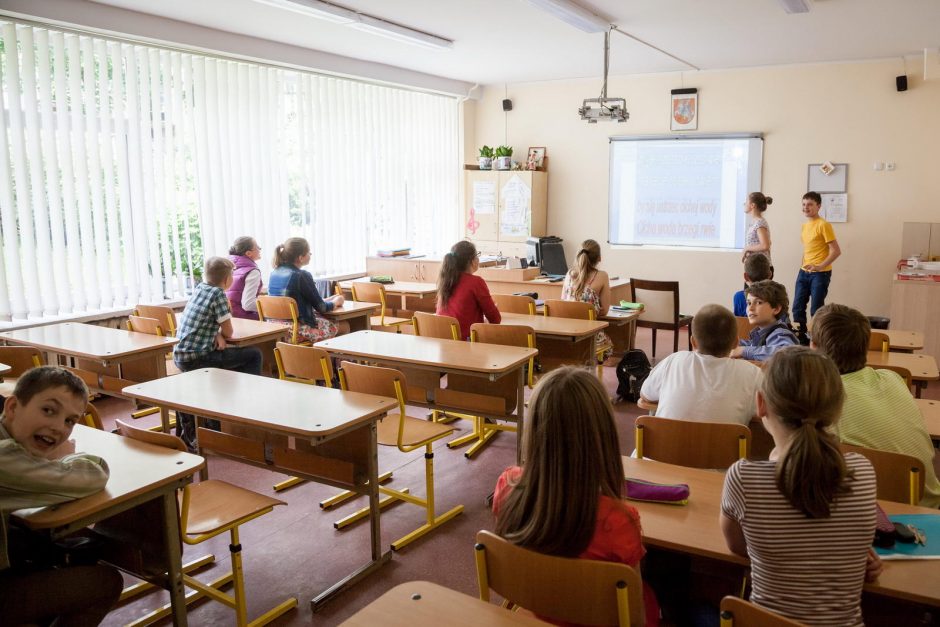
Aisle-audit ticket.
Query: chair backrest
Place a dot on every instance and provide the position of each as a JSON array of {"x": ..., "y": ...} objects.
[
  {"x": 879, "y": 342},
  {"x": 157, "y": 438},
  {"x": 369, "y": 292},
  {"x": 564, "y": 589},
  {"x": 434, "y": 325},
  {"x": 900, "y": 477},
  {"x": 150, "y": 326},
  {"x": 159, "y": 312},
  {"x": 660, "y": 300},
  {"x": 376, "y": 380},
  {"x": 736, "y": 612},
  {"x": 304, "y": 364},
  {"x": 744, "y": 327},
  {"x": 575, "y": 309},
  {"x": 279, "y": 308},
  {"x": 515, "y": 303},
  {"x": 92, "y": 418},
  {"x": 904, "y": 372},
  {"x": 20, "y": 359},
  {"x": 714, "y": 445},
  {"x": 506, "y": 335}
]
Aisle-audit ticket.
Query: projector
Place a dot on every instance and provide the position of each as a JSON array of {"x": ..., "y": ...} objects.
[{"x": 595, "y": 109}]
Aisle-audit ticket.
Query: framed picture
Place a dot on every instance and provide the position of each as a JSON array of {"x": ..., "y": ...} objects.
[
  {"x": 536, "y": 158},
  {"x": 683, "y": 114}
]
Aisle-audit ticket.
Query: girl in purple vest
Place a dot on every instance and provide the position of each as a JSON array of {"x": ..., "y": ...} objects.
[{"x": 246, "y": 279}]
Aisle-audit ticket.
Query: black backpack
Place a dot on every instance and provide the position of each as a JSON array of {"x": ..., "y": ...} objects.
[{"x": 632, "y": 371}]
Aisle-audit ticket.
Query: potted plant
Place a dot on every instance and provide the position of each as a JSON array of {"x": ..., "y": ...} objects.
[
  {"x": 486, "y": 158},
  {"x": 503, "y": 158}
]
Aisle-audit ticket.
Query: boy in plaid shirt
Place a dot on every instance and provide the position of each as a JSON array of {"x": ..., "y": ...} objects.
[{"x": 204, "y": 326}]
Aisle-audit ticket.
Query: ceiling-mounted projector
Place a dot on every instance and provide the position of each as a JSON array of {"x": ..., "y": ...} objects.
[
  {"x": 595, "y": 109},
  {"x": 604, "y": 108}
]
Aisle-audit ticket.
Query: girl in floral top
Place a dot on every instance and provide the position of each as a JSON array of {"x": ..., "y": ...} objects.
[{"x": 586, "y": 283}]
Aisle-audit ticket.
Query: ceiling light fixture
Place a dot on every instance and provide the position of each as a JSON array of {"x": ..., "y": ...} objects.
[
  {"x": 604, "y": 108},
  {"x": 360, "y": 21},
  {"x": 794, "y": 6},
  {"x": 573, "y": 14}
]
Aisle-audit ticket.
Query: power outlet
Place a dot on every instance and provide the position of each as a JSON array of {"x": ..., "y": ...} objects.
[
  {"x": 878, "y": 166},
  {"x": 889, "y": 166}
]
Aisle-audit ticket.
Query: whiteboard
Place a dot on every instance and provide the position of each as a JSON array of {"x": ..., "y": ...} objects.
[{"x": 833, "y": 183}]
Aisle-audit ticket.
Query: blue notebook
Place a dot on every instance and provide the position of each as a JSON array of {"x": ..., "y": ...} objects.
[{"x": 929, "y": 524}]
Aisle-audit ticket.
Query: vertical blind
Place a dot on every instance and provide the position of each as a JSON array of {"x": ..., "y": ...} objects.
[{"x": 122, "y": 166}]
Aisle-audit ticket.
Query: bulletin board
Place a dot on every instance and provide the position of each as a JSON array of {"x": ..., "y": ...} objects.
[{"x": 833, "y": 183}]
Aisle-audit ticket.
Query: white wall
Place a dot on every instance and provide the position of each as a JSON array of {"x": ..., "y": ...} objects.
[{"x": 846, "y": 113}]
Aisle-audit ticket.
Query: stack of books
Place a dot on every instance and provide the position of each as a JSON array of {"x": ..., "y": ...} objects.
[{"x": 394, "y": 252}]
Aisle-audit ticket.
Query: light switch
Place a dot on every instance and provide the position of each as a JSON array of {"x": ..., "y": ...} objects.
[
  {"x": 889, "y": 166},
  {"x": 878, "y": 165}
]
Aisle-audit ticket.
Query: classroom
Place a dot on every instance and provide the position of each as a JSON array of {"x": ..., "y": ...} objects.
[{"x": 361, "y": 128}]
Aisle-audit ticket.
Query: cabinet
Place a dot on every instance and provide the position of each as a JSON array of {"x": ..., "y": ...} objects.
[
  {"x": 421, "y": 270},
  {"x": 503, "y": 209}
]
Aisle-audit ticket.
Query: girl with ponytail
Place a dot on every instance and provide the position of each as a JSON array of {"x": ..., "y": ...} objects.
[
  {"x": 246, "y": 278},
  {"x": 586, "y": 283},
  {"x": 805, "y": 517},
  {"x": 461, "y": 294}
]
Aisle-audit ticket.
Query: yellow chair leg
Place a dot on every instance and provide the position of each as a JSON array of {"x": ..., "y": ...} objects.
[
  {"x": 288, "y": 483},
  {"x": 485, "y": 437},
  {"x": 139, "y": 588},
  {"x": 470, "y": 437},
  {"x": 191, "y": 597},
  {"x": 432, "y": 521},
  {"x": 145, "y": 412},
  {"x": 345, "y": 495},
  {"x": 364, "y": 512}
]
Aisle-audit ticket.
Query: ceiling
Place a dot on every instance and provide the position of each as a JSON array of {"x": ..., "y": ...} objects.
[{"x": 505, "y": 41}]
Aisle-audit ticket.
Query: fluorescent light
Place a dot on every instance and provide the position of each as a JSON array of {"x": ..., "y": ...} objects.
[
  {"x": 317, "y": 8},
  {"x": 572, "y": 14},
  {"x": 794, "y": 6},
  {"x": 400, "y": 33}
]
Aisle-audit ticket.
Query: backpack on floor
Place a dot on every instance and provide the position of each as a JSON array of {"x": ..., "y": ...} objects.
[{"x": 632, "y": 371}]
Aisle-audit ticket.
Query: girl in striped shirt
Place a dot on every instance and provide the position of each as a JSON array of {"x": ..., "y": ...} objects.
[{"x": 805, "y": 517}]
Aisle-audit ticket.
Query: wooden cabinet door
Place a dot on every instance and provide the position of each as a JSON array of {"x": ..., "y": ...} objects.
[{"x": 482, "y": 199}]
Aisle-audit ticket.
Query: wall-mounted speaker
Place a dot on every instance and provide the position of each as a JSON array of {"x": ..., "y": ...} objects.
[
  {"x": 901, "y": 82},
  {"x": 507, "y": 103}
]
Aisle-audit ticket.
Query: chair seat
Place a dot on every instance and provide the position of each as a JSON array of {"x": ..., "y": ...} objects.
[
  {"x": 390, "y": 321},
  {"x": 214, "y": 504},
  {"x": 416, "y": 432}
]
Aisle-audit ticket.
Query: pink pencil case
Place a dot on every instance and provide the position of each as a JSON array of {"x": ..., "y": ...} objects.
[{"x": 669, "y": 493}]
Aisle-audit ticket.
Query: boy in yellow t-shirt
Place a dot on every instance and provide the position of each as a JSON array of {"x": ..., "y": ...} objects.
[{"x": 820, "y": 249}]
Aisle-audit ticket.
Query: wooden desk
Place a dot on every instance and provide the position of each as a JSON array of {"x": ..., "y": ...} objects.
[
  {"x": 357, "y": 314},
  {"x": 140, "y": 473},
  {"x": 619, "y": 288},
  {"x": 930, "y": 410},
  {"x": 903, "y": 341},
  {"x": 404, "y": 289},
  {"x": 264, "y": 335},
  {"x": 334, "y": 434},
  {"x": 431, "y": 357},
  {"x": 923, "y": 367},
  {"x": 4, "y": 369},
  {"x": 138, "y": 356},
  {"x": 426, "y": 604},
  {"x": 561, "y": 340},
  {"x": 695, "y": 529}
]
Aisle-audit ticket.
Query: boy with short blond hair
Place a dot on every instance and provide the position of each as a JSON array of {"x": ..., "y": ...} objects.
[
  {"x": 767, "y": 309},
  {"x": 39, "y": 466},
  {"x": 704, "y": 385},
  {"x": 879, "y": 411}
]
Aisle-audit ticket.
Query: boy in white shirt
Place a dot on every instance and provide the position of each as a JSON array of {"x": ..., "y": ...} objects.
[{"x": 706, "y": 385}]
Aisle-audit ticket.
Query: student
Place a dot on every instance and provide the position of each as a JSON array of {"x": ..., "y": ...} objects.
[
  {"x": 756, "y": 268},
  {"x": 805, "y": 517},
  {"x": 39, "y": 466},
  {"x": 820, "y": 249},
  {"x": 246, "y": 280},
  {"x": 461, "y": 294},
  {"x": 289, "y": 280},
  {"x": 586, "y": 283},
  {"x": 568, "y": 498},
  {"x": 705, "y": 385},
  {"x": 757, "y": 239},
  {"x": 879, "y": 411},
  {"x": 766, "y": 308},
  {"x": 204, "y": 326}
]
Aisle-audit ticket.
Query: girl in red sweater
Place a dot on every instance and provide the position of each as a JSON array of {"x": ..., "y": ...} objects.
[{"x": 461, "y": 294}]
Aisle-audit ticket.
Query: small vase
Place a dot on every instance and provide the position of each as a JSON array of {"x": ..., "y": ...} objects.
[
  {"x": 486, "y": 163},
  {"x": 503, "y": 163}
]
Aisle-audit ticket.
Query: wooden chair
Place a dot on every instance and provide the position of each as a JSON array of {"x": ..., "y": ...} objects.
[
  {"x": 366, "y": 291},
  {"x": 515, "y": 303},
  {"x": 900, "y": 477},
  {"x": 879, "y": 342},
  {"x": 406, "y": 433},
  {"x": 152, "y": 326},
  {"x": 505, "y": 335},
  {"x": 20, "y": 359},
  {"x": 713, "y": 445},
  {"x": 562, "y": 589},
  {"x": 207, "y": 509},
  {"x": 901, "y": 370},
  {"x": 661, "y": 309},
  {"x": 164, "y": 314},
  {"x": 577, "y": 310},
  {"x": 736, "y": 612},
  {"x": 92, "y": 418},
  {"x": 434, "y": 325},
  {"x": 744, "y": 327},
  {"x": 281, "y": 309}
]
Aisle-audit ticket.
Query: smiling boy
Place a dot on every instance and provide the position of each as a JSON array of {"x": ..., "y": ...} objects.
[
  {"x": 767, "y": 309},
  {"x": 820, "y": 249}
]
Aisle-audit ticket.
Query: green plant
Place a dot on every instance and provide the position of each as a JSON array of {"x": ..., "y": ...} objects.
[
  {"x": 504, "y": 151},
  {"x": 487, "y": 152}
]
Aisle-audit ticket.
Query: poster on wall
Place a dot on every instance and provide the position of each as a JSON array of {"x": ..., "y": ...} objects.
[
  {"x": 684, "y": 109},
  {"x": 835, "y": 207}
]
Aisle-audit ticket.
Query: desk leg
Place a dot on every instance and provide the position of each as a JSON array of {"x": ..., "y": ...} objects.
[
  {"x": 520, "y": 412},
  {"x": 174, "y": 558},
  {"x": 165, "y": 419}
]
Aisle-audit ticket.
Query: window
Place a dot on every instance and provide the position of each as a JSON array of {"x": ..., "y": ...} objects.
[{"x": 123, "y": 165}]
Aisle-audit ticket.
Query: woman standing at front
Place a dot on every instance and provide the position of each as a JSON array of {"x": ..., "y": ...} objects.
[{"x": 757, "y": 239}]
